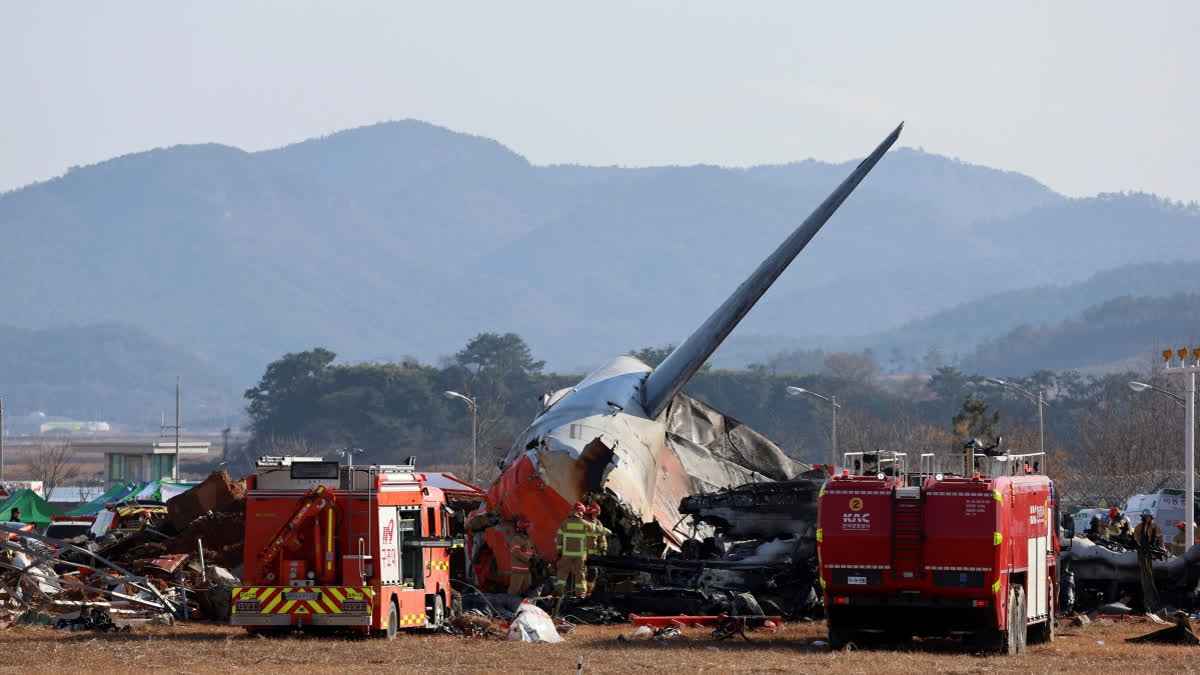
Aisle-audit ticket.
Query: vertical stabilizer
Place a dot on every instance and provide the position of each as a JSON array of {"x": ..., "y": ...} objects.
[{"x": 674, "y": 372}]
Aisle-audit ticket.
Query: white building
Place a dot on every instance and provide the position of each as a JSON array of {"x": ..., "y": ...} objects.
[{"x": 126, "y": 461}]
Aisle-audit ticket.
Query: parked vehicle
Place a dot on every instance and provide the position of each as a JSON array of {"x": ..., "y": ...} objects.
[{"x": 933, "y": 553}]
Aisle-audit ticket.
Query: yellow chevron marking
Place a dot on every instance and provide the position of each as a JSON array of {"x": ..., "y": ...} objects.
[
  {"x": 336, "y": 594},
  {"x": 284, "y": 609},
  {"x": 266, "y": 609}
]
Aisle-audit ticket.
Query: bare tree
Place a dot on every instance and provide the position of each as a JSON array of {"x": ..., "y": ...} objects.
[{"x": 53, "y": 463}]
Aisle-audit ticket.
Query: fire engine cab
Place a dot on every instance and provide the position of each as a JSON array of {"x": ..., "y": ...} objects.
[
  {"x": 355, "y": 547},
  {"x": 927, "y": 552}
]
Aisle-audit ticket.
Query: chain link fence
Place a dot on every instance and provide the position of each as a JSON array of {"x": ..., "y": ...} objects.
[{"x": 1079, "y": 490}]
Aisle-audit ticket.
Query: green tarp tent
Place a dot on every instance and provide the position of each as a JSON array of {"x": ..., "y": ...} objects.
[
  {"x": 33, "y": 508},
  {"x": 97, "y": 505}
]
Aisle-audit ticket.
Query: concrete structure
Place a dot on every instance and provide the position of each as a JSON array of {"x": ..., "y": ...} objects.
[{"x": 126, "y": 461}]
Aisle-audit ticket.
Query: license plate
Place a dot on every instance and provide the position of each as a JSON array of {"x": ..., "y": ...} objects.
[
  {"x": 354, "y": 606},
  {"x": 301, "y": 596},
  {"x": 247, "y": 605},
  {"x": 856, "y": 581}
]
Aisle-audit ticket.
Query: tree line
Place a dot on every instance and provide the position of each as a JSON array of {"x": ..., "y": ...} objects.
[{"x": 306, "y": 403}]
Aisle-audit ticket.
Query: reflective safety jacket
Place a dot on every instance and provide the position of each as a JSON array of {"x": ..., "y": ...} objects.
[
  {"x": 521, "y": 552},
  {"x": 1147, "y": 536},
  {"x": 1179, "y": 544},
  {"x": 598, "y": 539},
  {"x": 572, "y": 537}
]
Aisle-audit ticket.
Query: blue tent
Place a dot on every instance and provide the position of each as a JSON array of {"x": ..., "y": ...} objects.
[{"x": 115, "y": 493}]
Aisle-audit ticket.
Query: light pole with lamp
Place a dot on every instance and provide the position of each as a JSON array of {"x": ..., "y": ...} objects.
[
  {"x": 1142, "y": 386},
  {"x": 1189, "y": 432},
  {"x": 474, "y": 426},
  {"x": 1036, "y": 399},
  {"x": 832, "y": 401}
]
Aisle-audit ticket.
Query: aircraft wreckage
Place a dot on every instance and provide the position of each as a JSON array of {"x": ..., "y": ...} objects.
[{"x": 629, "y": 438}]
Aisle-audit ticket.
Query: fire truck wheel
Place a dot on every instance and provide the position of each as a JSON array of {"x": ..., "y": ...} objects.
[
  {"x": 839, "y": 637},
  {"x": 435, "y": 611},
  {"x": 1014, "y": 637},
  {"x": 393, "y": 619}
]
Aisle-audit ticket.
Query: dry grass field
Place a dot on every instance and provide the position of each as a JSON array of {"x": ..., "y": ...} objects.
[{"x": 207, "y": 648}]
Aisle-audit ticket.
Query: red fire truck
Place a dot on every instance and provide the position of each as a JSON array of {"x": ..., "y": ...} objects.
[
  {"x": 931, "y": 553},
  {"x": 357, "y": 547}
]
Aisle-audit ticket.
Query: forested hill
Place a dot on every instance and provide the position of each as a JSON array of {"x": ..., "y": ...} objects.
[
  {"x": 956, "y": 331},
  {"x": 110, "y": 372},
  {"x": 406, "y": 239},
  {"x": 1123, "y": 333}
]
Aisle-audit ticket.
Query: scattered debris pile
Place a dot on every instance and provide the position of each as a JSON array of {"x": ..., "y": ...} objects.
[
  {"x": 182, "y": 564},
  {"x": 761, "y": 555},
  {"x": 1178, "y": 634}
]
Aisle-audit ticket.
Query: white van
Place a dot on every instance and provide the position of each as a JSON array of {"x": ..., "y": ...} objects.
[{"x": 1167, "y": 506}]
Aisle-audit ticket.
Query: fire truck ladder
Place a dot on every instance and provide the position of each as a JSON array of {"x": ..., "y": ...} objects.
[
  {"x": 906, "y": 532},
  {"x": 311, "y": 505}
]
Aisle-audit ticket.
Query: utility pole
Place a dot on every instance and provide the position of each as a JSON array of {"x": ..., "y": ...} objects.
[
  {"x": 162, "y": 427},
  {"x": 1189, "y": 434},
  {"x": 1, "y": 439},
  {"x": 833, "y": 400}
]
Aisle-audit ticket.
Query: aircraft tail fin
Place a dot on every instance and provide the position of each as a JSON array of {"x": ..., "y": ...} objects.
[{"x": 679, "y": 367}]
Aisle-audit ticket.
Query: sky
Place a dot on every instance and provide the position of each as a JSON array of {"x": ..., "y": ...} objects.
[{"x": 1087, "y": 97}]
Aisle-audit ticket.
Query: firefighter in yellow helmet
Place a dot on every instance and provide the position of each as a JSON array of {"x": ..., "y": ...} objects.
[
  {"x": 520, "y": 554},
  {"x": 571, "y": 542}
]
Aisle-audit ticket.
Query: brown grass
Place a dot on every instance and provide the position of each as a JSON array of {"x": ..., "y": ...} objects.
[{"x": 204, "y": 648}]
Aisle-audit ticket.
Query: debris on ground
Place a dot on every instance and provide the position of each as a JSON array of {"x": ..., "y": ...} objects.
[
  {"x": 183, "y": 563},
  {"x": 532, "y": 624},
  {"x": 1178, "y": 634}
]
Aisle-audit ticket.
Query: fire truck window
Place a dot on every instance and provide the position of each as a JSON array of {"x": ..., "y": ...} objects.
[{"x": 432, "y": 521}]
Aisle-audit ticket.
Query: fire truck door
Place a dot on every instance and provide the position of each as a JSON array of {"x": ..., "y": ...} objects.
[
  {"x": 1036, "y": 605},
  {"x": 389, "y": 546},
  {"x": 411, "y": 560}
]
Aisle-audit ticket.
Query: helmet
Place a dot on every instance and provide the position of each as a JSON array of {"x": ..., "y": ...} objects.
[
  {"x": 1147, "y": 512},
  {"x": 579, "y": 507},
  {"x": 1114, "y": 512},
  {"x": 1182, "y": 525},
  {"x": 523, "y": 525},
  {"x": 594, "y": 509}
]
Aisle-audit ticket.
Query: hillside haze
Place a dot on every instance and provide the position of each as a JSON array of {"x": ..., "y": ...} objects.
[{"x": 404, "y": 238}]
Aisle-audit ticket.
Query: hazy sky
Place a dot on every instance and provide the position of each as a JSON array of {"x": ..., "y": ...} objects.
[{"x": 1087, "y": 97}]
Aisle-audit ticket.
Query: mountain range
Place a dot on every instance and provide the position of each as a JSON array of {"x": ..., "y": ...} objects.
[{"x": 406, "y": 239}]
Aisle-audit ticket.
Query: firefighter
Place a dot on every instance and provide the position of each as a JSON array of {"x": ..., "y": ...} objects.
[
  {"x": 1118, "y": 524},
  {"x": 1179, "y": 544},
  {"x": 597, "y": 539},
  {"x": 521, "y": 555},
  {"x": 1148, "y": 536},
  {"x": 571, "y": 542}
]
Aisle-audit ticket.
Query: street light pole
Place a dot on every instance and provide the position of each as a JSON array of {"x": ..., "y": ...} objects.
[
  {"x": 1035, "y": 399},
  {"x": 832, "y": 401},
  {"x": 1142, "y": 386},
  {"x": 1189, "y": 434},
  {"x": 474, "y": 426}
]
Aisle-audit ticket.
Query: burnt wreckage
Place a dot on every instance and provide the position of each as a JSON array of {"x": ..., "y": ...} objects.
[{"x": 628, "y": 437}]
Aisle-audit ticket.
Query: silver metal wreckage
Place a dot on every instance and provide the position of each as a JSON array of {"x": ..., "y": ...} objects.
[{"x": 627, "y": 437}]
